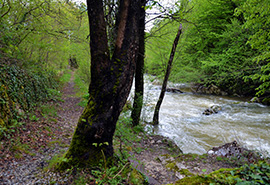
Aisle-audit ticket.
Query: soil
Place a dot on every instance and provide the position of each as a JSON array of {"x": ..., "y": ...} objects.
[{"x": 24, "y": 155}]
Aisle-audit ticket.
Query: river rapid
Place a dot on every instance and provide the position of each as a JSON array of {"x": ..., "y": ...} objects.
[{"x": 181, "y": 119}]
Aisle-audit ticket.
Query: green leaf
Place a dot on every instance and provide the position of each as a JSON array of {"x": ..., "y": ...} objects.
[{"x": 203, "y": 170}]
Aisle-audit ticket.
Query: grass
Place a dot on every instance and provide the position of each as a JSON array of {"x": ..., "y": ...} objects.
[
  {"x": 65, "y": 78},
  {"x": 81, "y": 89},
  {"x": 81, "y": 86},
  {"x": 48, "y": 110}
]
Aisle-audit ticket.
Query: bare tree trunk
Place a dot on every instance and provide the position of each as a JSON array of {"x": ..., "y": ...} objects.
[
  {"x": 138, "y": 98},
  {"x": 167, "y": 74},
  {"x": 111, "y": 81}
]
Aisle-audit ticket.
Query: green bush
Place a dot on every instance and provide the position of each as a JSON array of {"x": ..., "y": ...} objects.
[
  {"x": 21, "y": 90},
  {"x": 248, "y": 174}
]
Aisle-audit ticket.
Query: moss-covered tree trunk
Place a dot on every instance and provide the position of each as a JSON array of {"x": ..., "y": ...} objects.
[
  {"x": 111, "y": 80},
  {"x": 138, "y": 98},
  {"x": 166, "y": 77}
]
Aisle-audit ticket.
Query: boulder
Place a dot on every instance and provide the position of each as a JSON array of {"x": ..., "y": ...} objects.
[
  {"x": 173, "y": 90},
  {"x": 211, "y": 89},
  {"x": 233, "y": 149},
  {"x": 214, "y": 109},
  {"x": 226, "y": 150}
]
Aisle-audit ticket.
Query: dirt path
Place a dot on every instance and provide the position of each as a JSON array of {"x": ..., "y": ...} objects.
[{"x": 24, "y": 155}]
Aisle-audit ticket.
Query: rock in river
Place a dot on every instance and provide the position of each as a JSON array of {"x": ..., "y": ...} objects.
[{"x": 212, "y": 110}]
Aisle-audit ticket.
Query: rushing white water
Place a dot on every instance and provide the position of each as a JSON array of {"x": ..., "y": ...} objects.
[{"x": 181, "y": 119}]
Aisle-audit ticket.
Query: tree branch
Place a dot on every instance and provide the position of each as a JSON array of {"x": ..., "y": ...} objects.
[{"x": 9, "y": 8}]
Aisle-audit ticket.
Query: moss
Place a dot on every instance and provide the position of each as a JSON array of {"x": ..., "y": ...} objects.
[
  {"x": 219, "y": 158},
  {"x": 216, "y": 176},
  {"x": 222, "y": 175},
  {"x": 127, "y": 106},
  {"x": 204, "y": 156},
  {"x": 172, "y": 166},
  {"x": 78, "y": 155},
  {"x": 136, "y": 177},
  {"x": 166, "y": 155},
  {"x": 2, "y": 123},
  {"x": 185, "y": 172},
  {"x": 87, "y": 115}
]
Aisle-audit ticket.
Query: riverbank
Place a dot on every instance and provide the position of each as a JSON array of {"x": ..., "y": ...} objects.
[{"x": 182, "y": 119}]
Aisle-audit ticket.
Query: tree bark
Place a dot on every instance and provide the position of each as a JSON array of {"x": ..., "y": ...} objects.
[
  {"x": 139, "y": 81},
  {"x": 111, "y": 81},
  {"x": 167, "y": 74}
]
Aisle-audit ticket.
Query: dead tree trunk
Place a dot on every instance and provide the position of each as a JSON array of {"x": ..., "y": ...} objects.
[
  {"x": 111, "y": 80},
  {"x": 167, "y": 74}
]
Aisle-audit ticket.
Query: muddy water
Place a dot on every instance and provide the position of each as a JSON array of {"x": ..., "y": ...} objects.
[{"x": 182, "y": 120}]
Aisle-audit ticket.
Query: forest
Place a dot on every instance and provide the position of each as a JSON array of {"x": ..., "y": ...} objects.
[
  {"x": 80, "y": 80},
  {"x": 225, "y": 43}
]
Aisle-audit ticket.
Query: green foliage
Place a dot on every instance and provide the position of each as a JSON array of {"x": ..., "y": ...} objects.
[
  {"x": 37, "y": 39},
  {"x": 22, "y": 90},
  {"x": 126, "y": 134},
  {"x": 46, "y": 33},
  {"x": 256, "y": 14},
  {"x": 48, "y": 111},
  {"x": 248, "y": 174},
  {"x": 65, "y": 77},
  {"x": 81, "y": 89},
  {"x": 158, "y": 47},
  {"x": 224, "y": 43},
  {"x": 217, "y": 43},
  {"x": 81, "y": 86},
  {"x": 121, "y": 172}
]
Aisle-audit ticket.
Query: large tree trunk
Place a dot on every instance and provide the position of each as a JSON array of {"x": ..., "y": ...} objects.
[
  {"x": 167, "y": 74},
  {"x": 138, "y": 98},
  {"x": 111, "y": 81}
]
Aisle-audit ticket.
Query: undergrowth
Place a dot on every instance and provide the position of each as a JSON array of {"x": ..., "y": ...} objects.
[
  {"x": 22, "y": 90},
  {"x": 33, "y": 132},
  {"x": 248, "y": 174},
  {"x": 81, "y": 89}
]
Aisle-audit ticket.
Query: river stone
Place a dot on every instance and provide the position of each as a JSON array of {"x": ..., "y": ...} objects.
[
  {"x": 181, "y": 166},
  {"x": 211, "y": 89},
  {"x": 214, "y": 109},
  {"x": 233, "y": 149},
  {"x": 179, "y": 175},
  {"x": 159, "y": 141},
  {"x": 226, "y": 150},
  {"x": 173, "y": 90}
]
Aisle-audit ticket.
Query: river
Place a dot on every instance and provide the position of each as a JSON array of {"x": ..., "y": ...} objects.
[{"x": 181, "y": 119}]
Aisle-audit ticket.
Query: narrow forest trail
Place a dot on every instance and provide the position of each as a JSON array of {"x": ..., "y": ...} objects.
[{"x": 39, "y": 140}]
